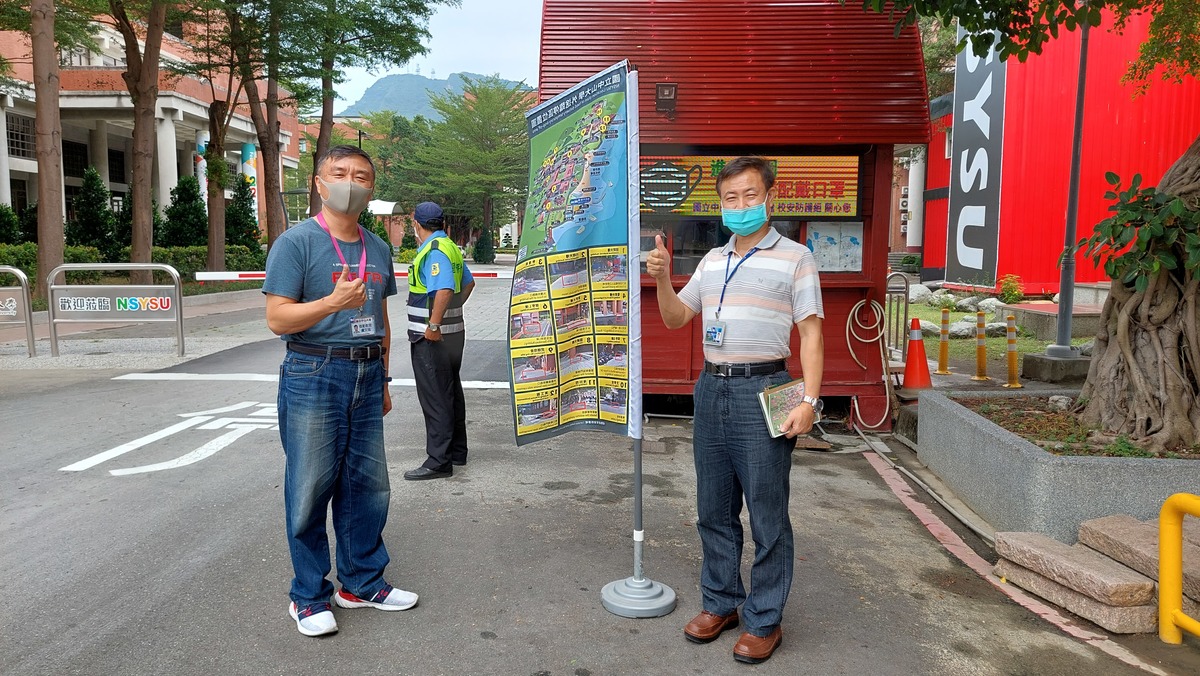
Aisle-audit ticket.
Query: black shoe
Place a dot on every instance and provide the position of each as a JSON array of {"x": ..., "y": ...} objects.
[
  {"x": 422, "y": 473},
  {"x": 458, "y": 463}
]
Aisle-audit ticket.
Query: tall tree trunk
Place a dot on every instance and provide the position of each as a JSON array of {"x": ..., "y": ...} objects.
[
  {"x": 1144, "y": 378},
  {"x": 48, "y": 141},
  {"x": 141, "y": 78},
  {"x": 325, "y": 133},
  {"x": 215, "y": 153}
]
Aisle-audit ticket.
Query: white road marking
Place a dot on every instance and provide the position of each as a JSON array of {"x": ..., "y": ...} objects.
[
  {"x": 195, "y": 456},
  {"x": 134, "y": 445}
]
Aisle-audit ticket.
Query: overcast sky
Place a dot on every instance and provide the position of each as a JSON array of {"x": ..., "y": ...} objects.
[{"x": 488, "y": 37}]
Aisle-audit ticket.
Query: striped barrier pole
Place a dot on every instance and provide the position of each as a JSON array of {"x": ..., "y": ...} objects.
[
  {"x": 1012, "y": 354},
  {"x": 943, "y": 368},
  {"x": 980, "y": 348}
]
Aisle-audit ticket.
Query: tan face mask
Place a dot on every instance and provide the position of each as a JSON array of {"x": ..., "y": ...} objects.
[{"x": 346, "y": 197}]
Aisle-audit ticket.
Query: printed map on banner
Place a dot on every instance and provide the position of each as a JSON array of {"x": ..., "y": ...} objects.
[{"x": 570, "y": 327}]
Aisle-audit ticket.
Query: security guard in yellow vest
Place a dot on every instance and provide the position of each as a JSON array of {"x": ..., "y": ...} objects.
[{"x": 438, "y": 285}]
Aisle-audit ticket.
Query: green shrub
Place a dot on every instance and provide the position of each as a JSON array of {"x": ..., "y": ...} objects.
[
  {"x": 187, "y": 219},
  {"x": 94, "y": 219},
  {"x": 241, "y": 227},
  {"x": 1011, "y": 289},
  {"x": 123, "y": 228},
  {"x": 406, "y": 255},
  {"x": 28, "y": 224},
  {"x": 243, "y": 258},
  {"x": 24, "y": 258},
  {"x": 911, "y": 260},
  {"x": 10, "y": 225},
  {"x": 484, "y": 252}
]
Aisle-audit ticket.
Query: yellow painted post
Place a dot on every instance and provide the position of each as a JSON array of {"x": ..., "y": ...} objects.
[
  {"x": 943, "y": 368},
  {"x": 980, "y": 348},
  {"x": 1012, "y": 354},
  {"x": 1171, "y": 617}
]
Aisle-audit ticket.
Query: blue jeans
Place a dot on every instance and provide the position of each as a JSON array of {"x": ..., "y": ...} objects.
[
  {"x": 735, "y": 458},
  {"x": 331, "y": 424}
]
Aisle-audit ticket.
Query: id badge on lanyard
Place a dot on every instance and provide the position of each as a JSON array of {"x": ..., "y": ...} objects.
[
  {"x": 714, "y": 329},
  {"x": 361, "y": 326}
]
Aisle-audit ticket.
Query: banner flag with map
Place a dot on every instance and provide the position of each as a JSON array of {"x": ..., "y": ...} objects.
[{"x": 574, "y": 336}]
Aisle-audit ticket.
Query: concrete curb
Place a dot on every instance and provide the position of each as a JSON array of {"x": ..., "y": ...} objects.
[{"x": 1016, "y": 486}]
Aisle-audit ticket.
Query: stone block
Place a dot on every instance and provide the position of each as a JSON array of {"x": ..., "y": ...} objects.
[
  {"x": 1054, "y": 369},
  {"x": 1135, "y": 544},
  {"x": 1119, "y": 620},
  {"x": 1078, "y": 568}
]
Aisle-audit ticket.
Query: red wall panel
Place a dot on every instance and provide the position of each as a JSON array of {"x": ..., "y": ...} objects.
[{"x": 1121, "y": 133}]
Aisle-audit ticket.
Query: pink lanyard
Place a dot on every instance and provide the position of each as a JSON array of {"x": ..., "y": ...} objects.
[{"x": 362, "y": 239}]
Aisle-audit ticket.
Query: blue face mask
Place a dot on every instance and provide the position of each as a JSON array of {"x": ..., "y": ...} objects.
[{"x": 746, "y": 221}]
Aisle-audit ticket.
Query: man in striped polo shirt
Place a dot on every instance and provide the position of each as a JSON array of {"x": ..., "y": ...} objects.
[{"x": 748, "y": 293}]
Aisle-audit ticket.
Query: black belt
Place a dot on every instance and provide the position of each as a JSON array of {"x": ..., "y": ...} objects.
[
  {"x": 359, "y": 353},
  {"x": 761, "y": 368}
]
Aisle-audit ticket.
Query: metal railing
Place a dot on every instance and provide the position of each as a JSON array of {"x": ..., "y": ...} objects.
[
  {"x": 1171, "y": 618},
  {"x": 8, "y": 305},
  {"x": 113, "y": 303},
  {"x": 896, "y": 315}
]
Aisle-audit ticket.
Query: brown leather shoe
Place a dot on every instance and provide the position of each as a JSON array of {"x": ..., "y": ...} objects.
[
  {"x": 707, "y": 626},
  {"x": 753, "y": 649}
]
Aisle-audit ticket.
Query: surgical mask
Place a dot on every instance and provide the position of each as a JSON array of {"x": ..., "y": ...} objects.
[
  {"x": 346, "y": 197},
  {"x": 746, "y": 221}
]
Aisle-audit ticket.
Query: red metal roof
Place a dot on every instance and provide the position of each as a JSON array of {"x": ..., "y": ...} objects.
[{"x": 749, "y": 71}]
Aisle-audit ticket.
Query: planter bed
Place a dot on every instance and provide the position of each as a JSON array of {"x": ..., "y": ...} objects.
[{"x": 1016, "y": 486}]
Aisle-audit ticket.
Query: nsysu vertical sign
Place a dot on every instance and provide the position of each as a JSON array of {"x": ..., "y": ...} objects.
[{"x": 974, "y": 223}]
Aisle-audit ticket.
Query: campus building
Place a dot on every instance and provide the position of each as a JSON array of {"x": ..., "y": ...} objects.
[{"x": 97, "y": 122}]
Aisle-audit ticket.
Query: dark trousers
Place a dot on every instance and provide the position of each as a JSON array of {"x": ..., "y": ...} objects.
[{"x": 436, "y": 367}]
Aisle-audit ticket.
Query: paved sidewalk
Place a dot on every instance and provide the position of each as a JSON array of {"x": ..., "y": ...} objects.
[{"x": 509, "y": 555}]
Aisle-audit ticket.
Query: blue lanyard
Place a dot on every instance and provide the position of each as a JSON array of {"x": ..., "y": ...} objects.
[{"x": 729, "y": 275}]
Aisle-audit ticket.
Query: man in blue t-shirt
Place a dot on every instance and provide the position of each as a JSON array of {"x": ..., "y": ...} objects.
[
  {"x": 438, "y": 285},
  {"x": 327, "y": 285}
]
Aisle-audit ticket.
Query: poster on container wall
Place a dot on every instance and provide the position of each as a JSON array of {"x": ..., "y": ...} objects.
[{"x": 574, "y": 334}]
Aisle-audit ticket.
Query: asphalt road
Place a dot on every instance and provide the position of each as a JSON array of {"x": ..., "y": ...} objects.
[{"x": 142, "y": 533}]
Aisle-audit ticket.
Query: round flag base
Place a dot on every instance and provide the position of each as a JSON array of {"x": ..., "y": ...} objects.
[{"x": 637, "y": 598}]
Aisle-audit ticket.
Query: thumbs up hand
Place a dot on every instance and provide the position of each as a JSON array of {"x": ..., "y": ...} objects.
[
  {"x": 658, "y": 263},
  {"x": 347, "y": 294}
]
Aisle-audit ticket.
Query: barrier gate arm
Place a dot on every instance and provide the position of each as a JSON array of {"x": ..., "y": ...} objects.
[{"x": 1171, "y": 618}]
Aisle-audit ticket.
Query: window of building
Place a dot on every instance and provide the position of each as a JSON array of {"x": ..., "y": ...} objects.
[
  {"x": 74, "y": 159},
  {"x": 75, "y": 57},
  {"x": 116, "y": 166},
  {"x": 117, "y": 200},
  {"x": 21, "y": 136},
  {"x": 70, "y": 192},
  {"x": 174, "y": 22},
  {"x": 303, "y": 145},
  {"x": 20, "y": 194},
  {"x": 949, "y": 141}
]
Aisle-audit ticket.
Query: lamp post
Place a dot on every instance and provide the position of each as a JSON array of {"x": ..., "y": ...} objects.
[{"x": 1066, "y": 287}]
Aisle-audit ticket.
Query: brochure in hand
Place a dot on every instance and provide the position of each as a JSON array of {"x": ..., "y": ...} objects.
[{"x": 777, "y": 402}]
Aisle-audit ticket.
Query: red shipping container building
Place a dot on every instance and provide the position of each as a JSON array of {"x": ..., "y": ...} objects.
[{"x": 825, "y": 90}]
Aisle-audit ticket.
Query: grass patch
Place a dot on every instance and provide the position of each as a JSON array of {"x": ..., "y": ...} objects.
[{"x": 963, "y": 349}]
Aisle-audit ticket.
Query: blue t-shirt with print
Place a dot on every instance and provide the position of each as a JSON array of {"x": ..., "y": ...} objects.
[
  {"x": 303, "y": 265},
  {"x": 442, "y": 276}
]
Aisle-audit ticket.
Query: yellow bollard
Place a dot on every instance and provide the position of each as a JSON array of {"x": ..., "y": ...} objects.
[
  {"x": 943, "y": 368},
  {"x": 1012, "y": 354},
  {"x": 1171, "y": 617},
  {"x": 980, "y": 348}
]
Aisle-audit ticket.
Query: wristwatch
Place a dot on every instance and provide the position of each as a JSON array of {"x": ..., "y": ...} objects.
[
  {"x": 817, "y": 404},
  {"x": 435, "y": 327}
]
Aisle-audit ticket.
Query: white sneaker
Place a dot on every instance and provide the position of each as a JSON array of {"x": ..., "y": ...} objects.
[
  {"x": 388, "y": 598},
  {"x": 315, "y": 620}
]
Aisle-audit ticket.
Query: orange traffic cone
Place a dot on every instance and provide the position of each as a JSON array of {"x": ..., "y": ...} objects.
[{"x": 916, "y": 367}]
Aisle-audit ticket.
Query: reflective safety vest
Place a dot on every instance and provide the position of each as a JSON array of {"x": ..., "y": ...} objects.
[{"x": 420, "y": 298}]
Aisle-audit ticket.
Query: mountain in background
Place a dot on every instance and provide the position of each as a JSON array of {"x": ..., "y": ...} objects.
[{"x": 408, "y": 94}]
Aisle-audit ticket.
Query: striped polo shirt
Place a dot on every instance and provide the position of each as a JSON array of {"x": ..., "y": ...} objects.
[{"x": 775, "y": 287}]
